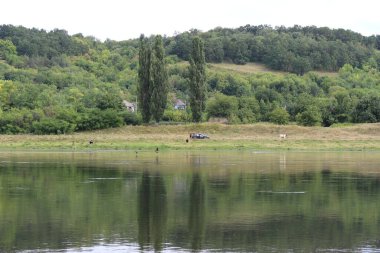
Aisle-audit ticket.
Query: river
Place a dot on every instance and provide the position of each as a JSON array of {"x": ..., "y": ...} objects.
[{"x": 197, "y": 201}]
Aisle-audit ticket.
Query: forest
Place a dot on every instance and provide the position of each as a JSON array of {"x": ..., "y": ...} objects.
[{"x": 55, "y": 83}]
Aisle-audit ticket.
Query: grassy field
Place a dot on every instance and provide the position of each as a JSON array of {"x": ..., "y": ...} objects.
[
  {"x": 259, "y": 136},
  {"x": 249, "y": 68},
  {"x": 254, "y": 68}
]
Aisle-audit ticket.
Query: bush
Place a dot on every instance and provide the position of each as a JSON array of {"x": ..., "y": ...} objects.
[
  {"x": 11, "y": 129},
  {"x": 176, "y": 116},
  {"x": 249, "y": 109},
  {"x": 222, "y": 106},
  {"x": 246, "y": 116},
  {"x": 17, "y": 121},
  {"x": 311, "y": 117},
  {"x": 93, "y": 119},
  {"x": 131, "y": 118},
  {"x": 52, "y": 126},
  {"x": 279, "y": 116},
  {"x": 367, "y": 109}
]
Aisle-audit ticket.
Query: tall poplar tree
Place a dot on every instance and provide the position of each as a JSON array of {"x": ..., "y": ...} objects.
[
  {"x": 144, "y": 74},
  {"x": 197, "y": 71},
  {"x": 159, "y": 78}
]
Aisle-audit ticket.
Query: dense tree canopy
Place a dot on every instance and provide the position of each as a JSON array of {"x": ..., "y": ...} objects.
[
  {"x": 51, "y": 82},
  {"x": 296, "y": 49}
]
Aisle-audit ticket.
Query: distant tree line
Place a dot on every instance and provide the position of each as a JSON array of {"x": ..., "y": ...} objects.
[
  {"x": 296, "y": 49},
  {"x": 34, "y": 42},
  {"x": 51, "y": 82}
]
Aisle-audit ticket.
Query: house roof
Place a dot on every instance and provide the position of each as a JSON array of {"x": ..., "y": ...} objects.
[
  {"x": 179, "y": 102},
  {"x": 128, "y": 104}
]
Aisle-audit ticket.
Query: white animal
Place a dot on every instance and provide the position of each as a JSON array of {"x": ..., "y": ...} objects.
[{"x": 283, "y": 136}]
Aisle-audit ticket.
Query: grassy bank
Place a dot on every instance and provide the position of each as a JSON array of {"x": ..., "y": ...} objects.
[{"x": 259, "y": 136}]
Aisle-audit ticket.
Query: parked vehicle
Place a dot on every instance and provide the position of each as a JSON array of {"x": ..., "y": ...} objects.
[{"x": 199, "y": 136}]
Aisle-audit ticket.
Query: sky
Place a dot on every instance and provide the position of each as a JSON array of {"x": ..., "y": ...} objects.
[{"x": 126, "y": 19}]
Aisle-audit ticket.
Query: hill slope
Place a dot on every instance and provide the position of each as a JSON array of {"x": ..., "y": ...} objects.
[{"x": 51, "y": 82}]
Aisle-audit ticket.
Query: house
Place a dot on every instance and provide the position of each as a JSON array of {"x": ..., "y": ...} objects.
[
  {"x": 130, "y": 106},
  {"x": 179, "y": 105}
]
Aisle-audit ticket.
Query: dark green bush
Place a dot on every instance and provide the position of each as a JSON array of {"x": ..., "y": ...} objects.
[
  {"x": 52, "y": 126},
  {"x": 222, "y": 106},
  {"x": 367, "y": 109},
  {"x": 176, "y": 116},
  {"x": 311, "y": 117},
  {"x": 279, "y": 116},
  {"x": 131, "y": 118},
  {"x": 93, "y": 119},
  {"x": 17, "y": 121}
]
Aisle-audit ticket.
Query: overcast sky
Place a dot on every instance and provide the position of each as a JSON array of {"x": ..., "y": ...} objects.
[{"x": 123, "y": 19}]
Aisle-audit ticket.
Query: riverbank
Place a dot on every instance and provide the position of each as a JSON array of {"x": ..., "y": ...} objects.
[{"x": 261, "y": 136}]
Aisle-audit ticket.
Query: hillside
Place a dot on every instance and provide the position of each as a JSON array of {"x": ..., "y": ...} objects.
[
  {"x": 51, "y": 82},
  {"x": 294, "y": 49}
]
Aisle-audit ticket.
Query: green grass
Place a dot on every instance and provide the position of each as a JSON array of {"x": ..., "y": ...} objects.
[{"x": 261, "y": 136}]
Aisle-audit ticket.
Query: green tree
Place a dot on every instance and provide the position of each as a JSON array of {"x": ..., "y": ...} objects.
[
  {"x": 159, "y": 86},
  {"x": 279, "y": 116},
  {"x": 214, "y": 50},
  {"x": 197, "y": 71},
  {"x": 368, "y": 109},
  {"x": 7, "y": 48},
  {"x": 222, "y": 106},
  {"x": 249, "y": 109},
  {"x": 311, "y": 117},
  {"x": 144, "y": 75}
]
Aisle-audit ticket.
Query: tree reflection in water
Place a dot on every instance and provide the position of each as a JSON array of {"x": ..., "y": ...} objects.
[
  {"x": 152, "y": 211},
  {"x": 197, "y": 212}
]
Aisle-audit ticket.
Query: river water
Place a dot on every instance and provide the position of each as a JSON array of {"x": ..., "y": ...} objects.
[{"x": 190, "y": 202}]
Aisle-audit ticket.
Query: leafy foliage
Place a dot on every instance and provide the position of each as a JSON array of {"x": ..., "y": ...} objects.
[
  {"x": 145, "y": 81},
  {"x": 310, "y": 117},
  {"x": 279, "y": 116},
  {"x": 295, "y": 49},
  {"x": 222, "y": 106},
  {"x": 51, "y": 82},
  {"x": 197, "y": 72},
  {"x": 159, "y": 80}
]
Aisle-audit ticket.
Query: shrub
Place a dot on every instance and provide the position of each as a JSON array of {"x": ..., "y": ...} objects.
[
  {"x": 246, "y": 116},
  {"x": 176, "y": 116},
  {"x": 279, "y": 116},
  {"x": 367, "y": 109},
  {"x": 222, "y": 106},
  {"x": 311, "y": 117},
  {"x": 93, "y": 119},
  {"x": 131, "y": 118},
  {"x": 52, "y": 126},
  {"x": 17, "y": 121},
  {"x": 249, "y": 109}
]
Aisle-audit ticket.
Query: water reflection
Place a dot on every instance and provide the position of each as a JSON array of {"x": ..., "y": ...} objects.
[
  {"x": 197, "y": 212},
  {"x": 143, "y": 211},
  {"x": 183, "y": 202},
  {"x": 152, "y": 211}
]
